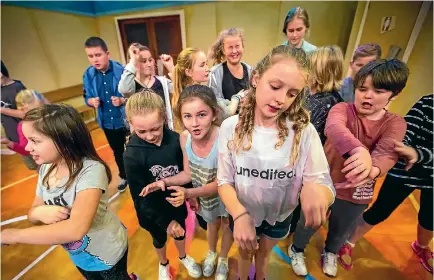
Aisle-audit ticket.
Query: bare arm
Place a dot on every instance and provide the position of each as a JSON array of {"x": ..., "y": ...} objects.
[
  {"x": 12, "y": 113},
  {"x": 38, "y": 201},
  {"x": 72, "y": 229}
]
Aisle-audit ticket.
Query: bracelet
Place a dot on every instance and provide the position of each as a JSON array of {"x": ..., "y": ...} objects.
[
  {"x": 240, "y": 215},
  {"x": 236, "y": 96}
]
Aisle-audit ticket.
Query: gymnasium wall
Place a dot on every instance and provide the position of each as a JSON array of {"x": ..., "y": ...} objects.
[
  {"x": 420, "y": 62},
  {"x": 44, "y": 49}
]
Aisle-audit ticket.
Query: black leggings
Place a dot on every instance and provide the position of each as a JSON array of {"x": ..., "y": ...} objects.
[
  {"x": 118, "y": 271},
  {"x": 391, "y": 195}
]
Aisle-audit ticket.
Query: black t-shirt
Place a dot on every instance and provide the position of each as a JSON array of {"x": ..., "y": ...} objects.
[
  {"x": 230, "y": 84},
  {"x": 157, "y": 87},
  {"x": 8, "y": 94}
]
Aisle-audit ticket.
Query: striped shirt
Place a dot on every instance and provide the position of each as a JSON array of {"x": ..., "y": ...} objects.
[
  {"x": 204, "y": 171},
  {"x": 419, "y": 135}
]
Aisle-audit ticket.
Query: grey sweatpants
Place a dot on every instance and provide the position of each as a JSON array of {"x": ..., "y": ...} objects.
[{"x": 341, "y": 223}]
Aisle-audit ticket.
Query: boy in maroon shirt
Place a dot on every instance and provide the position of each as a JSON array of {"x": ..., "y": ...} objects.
[{"x": 359, "y": 149}]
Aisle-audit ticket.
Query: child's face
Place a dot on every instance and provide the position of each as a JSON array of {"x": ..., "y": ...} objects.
[
  {"x": 98, "y": 57},
  {"x": 41, "y": 147},
  {"x": 149, "y": 127},
  {"x": 197, "y": 118},
  {"x": 233, "y": 49},
  {"x": 277, "y": 89},
  {"x": 359, "y": 62},
  {"x": 146, "y": 63},
  {"x": 27, "y": 107},
  {"x": 200, "y": 71},
  {"x": 295, "y": 31},
  {"x": 370, "y": 101}
]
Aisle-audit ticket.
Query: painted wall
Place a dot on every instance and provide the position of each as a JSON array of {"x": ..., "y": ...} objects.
[
  {"x": 45, "y": 49},
  {"x": 406, "y": 14},
  {"x": 204, "y": 21},
  {"x": 420, "y": 62}
]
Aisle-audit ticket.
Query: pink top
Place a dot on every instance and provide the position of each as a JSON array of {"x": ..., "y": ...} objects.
[
  {"x": 345, "y": 130},
  {"x": 20, "y": 146}
]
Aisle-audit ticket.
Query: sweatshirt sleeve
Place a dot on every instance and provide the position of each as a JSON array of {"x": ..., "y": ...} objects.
[
  {"x": 127, "y": 85},
  {"x": 21, "y": 145},
  {"x": 384, "y": 156},
  {"x": 338, "y": 133},
  {"x": 226, "y": 167},
  {"x": 419, "y": 120}
]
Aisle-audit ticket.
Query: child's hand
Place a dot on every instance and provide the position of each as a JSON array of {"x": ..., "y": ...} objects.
[
  {"x": 5, "y": 141},
  {"x": 167, "y": 61},
  {"x": 94, "y": 102},
  {"x": 117, "y": 101},
  {"x": 175, "y": 230},
  {"x": 50, "y": 214},
  {"x": 9, "y": 236},
  {"x": 373, "y": 174},
  {"x": 153, "y": 187},
  {"x": 194, "y": 204},
  {"x": 409, "y": 153},
  {"x": 358, "y": 165},
  {"x": 245, "y": 233},
  {"x": 315, "y": 200},
  {"x": 178, "y": 197},
  {"x": 133, "y": 51}
]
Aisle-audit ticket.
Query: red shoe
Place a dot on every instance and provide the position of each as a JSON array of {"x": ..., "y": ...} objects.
[
  {"x": 425, "y": 255},
  {"x": 134, "y": 277},
  {"x": 345, "y": 256}
]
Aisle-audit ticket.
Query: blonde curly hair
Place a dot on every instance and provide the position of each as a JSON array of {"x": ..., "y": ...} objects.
[{"x": 295, "y": 113}]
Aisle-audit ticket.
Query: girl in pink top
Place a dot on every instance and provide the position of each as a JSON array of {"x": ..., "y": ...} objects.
[{"x": 26, "y": 100}]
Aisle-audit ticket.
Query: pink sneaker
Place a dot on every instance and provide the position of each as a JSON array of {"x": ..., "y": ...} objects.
[
  {"x": 345, "y": 256},
  {"x": 425, "y": 255}
]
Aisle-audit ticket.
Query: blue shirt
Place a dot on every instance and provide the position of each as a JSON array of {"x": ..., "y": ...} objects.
[
  {"x": 347, "y": 90},
  {"x": 111, "y": 117}
]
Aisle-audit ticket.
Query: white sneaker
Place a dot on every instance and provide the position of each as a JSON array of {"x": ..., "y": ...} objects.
[
  {"x": 297, "y": 262},
  {"x": 192, "y": 267},
  {"x": 209, "y": 264},
  {"x": 329, "y": 263},
  {"x": 164, "y": 272},
  {"x": 222, "y": 269}
]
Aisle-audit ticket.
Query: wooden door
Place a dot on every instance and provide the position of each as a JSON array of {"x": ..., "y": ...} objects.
[{"x": 161, "y": 34}]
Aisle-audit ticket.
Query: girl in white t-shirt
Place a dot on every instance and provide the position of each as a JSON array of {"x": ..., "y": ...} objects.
[{"x": 266, "y": 154}]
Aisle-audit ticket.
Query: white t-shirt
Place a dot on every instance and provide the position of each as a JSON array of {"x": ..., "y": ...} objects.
[{"x": 265, "y": 183}]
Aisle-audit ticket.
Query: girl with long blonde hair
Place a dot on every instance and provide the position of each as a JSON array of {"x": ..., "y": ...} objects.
[
  {"x": 268, "y": 155},
  {"x": 230, "y": 77}
]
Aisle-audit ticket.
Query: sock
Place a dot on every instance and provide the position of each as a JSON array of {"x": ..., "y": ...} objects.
[
  {"x": 165, "y": 264},
  {"x": 183, "y": 257},
  {"x": 296, "y": 250},
  {"x": 352, "y": 245},
  {"x": 420, "y": 246}
]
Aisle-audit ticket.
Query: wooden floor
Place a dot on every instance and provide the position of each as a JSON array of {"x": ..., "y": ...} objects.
[{"x": 385, "y": 253}]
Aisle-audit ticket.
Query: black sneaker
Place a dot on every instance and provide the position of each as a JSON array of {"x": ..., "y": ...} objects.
[{"x": 122, "y": 185}]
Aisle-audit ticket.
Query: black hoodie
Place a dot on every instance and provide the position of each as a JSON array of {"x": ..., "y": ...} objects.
[{"x": 146, "y": 163}]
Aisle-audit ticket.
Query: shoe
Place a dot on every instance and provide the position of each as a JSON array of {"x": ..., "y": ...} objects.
[
  {"x": 209, "y": 263},
  {"x": 122, "y": 185},
  {"x": 134, "y": 276},
  {"x": 164, "y": 272},
  {"x": 329, "y": 263},
  {"x": 222, "y": 270},
  {"x": 192, "y": 267},
  {"x": 345, "y": 256},
  {"x": 297, "y": 262},
  {"x": 425, "y": 255}
]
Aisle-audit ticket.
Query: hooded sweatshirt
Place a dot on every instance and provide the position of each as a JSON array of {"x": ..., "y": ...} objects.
[{"x": 146, "y": 163}]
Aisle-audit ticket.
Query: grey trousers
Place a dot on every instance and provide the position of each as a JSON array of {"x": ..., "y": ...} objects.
[{"x": 342, "y": 222}]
